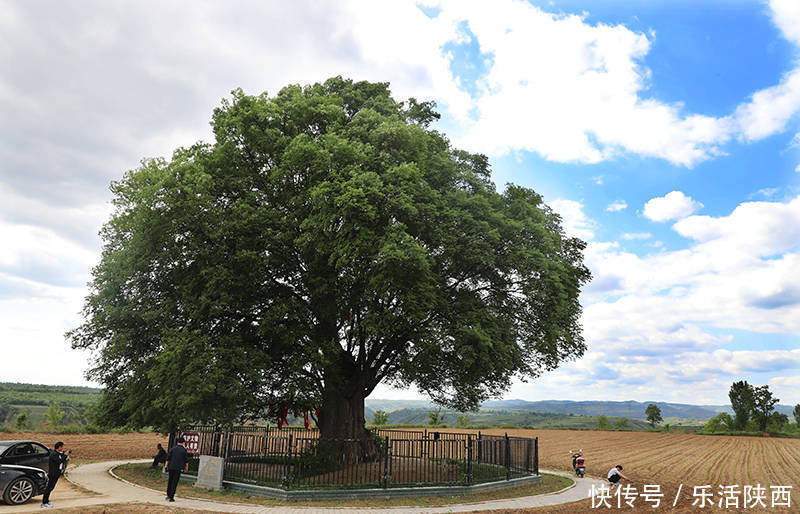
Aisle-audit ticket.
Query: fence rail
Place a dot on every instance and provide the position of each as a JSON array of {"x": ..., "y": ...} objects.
[{"x": 297, "y": 459}]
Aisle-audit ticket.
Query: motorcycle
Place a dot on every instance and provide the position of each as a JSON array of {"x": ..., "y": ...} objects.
[{"x": 578, "y": 463}]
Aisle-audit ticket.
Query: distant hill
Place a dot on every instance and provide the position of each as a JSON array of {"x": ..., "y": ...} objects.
[
  {"x": 33, "y": 400},
  {"x": 628, "y": 409},
  {"x": 416, "y": 411}
]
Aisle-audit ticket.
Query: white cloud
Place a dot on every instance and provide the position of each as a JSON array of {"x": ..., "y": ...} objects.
[
  {"x": 769, "y": 109},
  {"x": 673, "y": 205},
  {"x": 571, "y": 91},
  {"x": 661, "y": 321},
  {"x": 786, "y": 388},
  {"x": 583, "y": 99},
  {"x": 636, "y": 236},
  {"x": 575, "y": 221},
  {"x": 786, "y": 15},
  {"x": 617, "y": 206}
]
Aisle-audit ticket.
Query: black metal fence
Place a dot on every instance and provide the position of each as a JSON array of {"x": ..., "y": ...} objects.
[{"x": 297, "y": 459}]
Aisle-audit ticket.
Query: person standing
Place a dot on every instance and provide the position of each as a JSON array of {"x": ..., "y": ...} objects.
[
  {"x": 177, "y": 462},
  {"x": 57, "y": 464}
]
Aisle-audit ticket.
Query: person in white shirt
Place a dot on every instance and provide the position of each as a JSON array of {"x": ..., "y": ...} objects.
[{"x": 614, "y": 475}]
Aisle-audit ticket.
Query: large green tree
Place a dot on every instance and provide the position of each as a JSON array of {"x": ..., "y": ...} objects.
[
  {"x": 653, "y": 413},
  {"x": 763, "y": 406},
  {"x": 741, "y": 396},
  {"x": 327, "y": 241}
]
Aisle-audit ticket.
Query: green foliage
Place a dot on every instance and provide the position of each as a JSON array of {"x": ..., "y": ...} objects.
[
  {"x": 777, "y": 422},
  {"x": 666, "y": 427},
  {"x": 621, "y": 424},
  {"x": 462, "y": 421},
  {"x": 763, "y": 406},
  {"x": 741, "y": 396},
  {"x": 796, "y": 413},
  {"x": 719, "y": 423},
  {"x": 603, "y": 423},
  {"x": 380, "y": 418},
  {"x": 54, "y": 416},
  {"x": 435, "y": 418},
  {"x": 22, "y": 422},
  {"x": 653, "y": 413},
  {"x": 7, "y": 411},
  {"x": 326, "y": 241}
]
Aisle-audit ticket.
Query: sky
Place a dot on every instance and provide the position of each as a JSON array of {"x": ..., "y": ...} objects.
[{"x": 665, "y": 133}]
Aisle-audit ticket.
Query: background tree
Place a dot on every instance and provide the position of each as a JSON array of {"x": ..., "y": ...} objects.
[
  {"x": 380, "y": 418},
  {"x": 741, "y": 396},
  {"x": 327, "y": 241},
  {"x": 719, "y": 423},
  {"x": 653, "y": 413},
  {"x": 435, "y": 417},
  {"x": 6, "y": 411},
  {"x": 53, "y": 416},
  {"x": 462, "y": 421},
  {"x": 22, "y": 422},
  {"x": 796, "y": 413},
  {"x": 621, "y": 424},
  {"x": 603, "y": 423},
  {"x": 777, "y": 422},
  {"x": 763, "y": 406}
]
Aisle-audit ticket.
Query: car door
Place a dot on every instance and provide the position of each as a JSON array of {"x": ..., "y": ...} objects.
[
  {"x": 40, "y": 457},
  {"x": 28, "y": 454}
]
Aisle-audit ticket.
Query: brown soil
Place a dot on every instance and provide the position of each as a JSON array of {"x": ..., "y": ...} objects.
[
  {"x": 673, "y": 461},
  {"x": 93, "y": 447}
]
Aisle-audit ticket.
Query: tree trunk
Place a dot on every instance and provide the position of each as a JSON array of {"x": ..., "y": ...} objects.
[{"x": 341, "y": 419}]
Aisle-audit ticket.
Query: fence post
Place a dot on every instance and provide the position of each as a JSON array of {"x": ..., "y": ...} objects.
[
  {"x": 469, "y": 460},
  {"x": 479, "y": 446},
  {"x": 288, "y": 473},
  {"x": 528, "y": 456},
  {"x": 508, "y": 458},
  {"x": 386, "y": 463},
  {"x": 228, "y": 443},
  {"x": 536, "y": 455}
]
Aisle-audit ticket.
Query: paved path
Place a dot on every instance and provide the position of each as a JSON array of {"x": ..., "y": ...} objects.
[{"x": 96, "y": 477}]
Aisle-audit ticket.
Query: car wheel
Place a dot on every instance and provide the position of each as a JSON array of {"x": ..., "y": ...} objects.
[{"x": 19, "y": 491}]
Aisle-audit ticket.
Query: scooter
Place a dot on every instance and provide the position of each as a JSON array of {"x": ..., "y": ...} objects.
[{"x": 578, "y": 463}]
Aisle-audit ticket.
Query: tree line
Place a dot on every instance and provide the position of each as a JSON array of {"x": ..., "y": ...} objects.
[{"x": 754, "y": 410}]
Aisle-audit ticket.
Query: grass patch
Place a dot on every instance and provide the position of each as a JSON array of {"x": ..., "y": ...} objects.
[{"x": 143, "y": 474}]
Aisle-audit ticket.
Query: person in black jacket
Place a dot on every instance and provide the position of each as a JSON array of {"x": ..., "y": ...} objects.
[
  {"x": 57, "y": 464},
  {"x": 161, "y": 456},
  {"x": 177, "y": 462}
]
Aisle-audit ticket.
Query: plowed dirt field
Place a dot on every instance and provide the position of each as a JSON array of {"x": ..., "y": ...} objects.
[
  {"x": 679, "y": 461},
  {"x": 97, "y": 446}
]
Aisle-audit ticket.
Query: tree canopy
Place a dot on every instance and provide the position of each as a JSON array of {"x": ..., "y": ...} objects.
[
  {"x": 763, "y": 406},
  {"x": 653, "y": 413},
  {"x": 328, "y": 240},
  {"x": 741, "y": 396}
]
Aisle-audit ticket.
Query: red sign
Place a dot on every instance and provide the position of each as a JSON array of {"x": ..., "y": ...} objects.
[{"x": 192, "y": 441}]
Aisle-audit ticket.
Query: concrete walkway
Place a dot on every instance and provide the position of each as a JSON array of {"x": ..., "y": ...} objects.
[{"x": 96, "y": 477}]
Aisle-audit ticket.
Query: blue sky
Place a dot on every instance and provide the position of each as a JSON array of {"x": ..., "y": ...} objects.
[{"x": 665, "y": 133}]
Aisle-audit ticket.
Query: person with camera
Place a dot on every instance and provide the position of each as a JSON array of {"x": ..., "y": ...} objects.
[{"x": 57, "y": 464}]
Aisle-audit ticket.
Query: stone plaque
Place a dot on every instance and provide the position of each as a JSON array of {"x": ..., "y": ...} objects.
[{"x": 210, "y": 473}]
